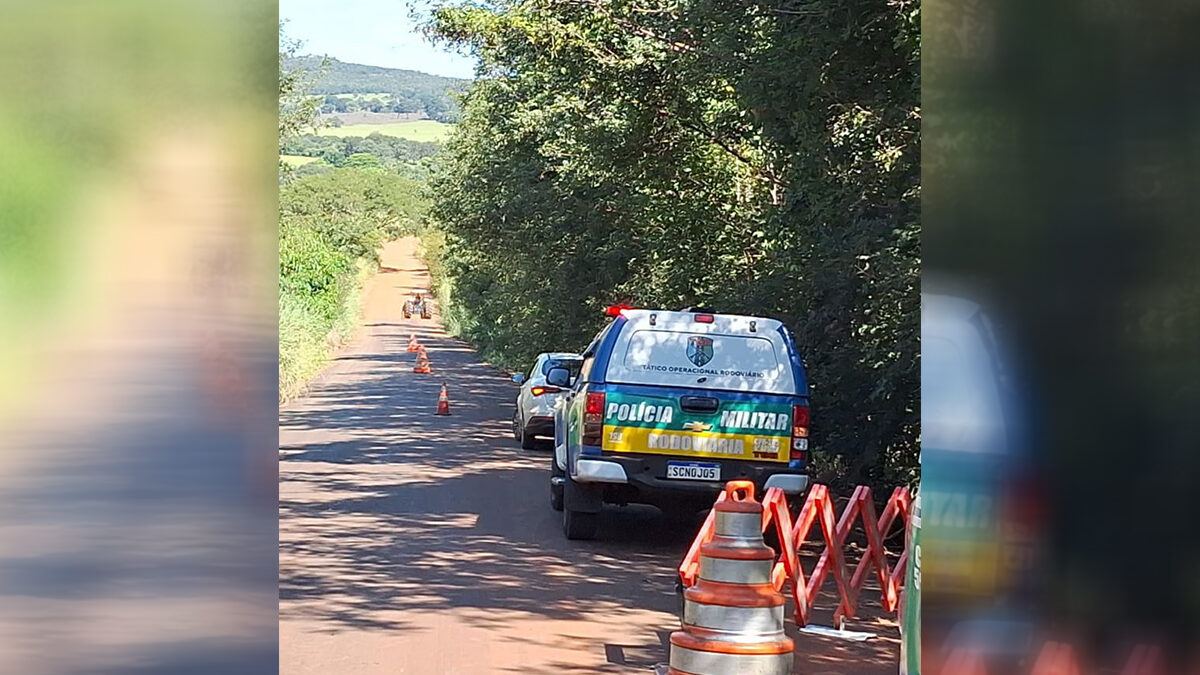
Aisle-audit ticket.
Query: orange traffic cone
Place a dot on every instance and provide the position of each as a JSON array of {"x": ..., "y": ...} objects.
[
  {"x": 733, "y": 616},
  {"x": 423, "y": 367},
  {"x": 413, "y": 345},
  {"x": 443, "y": 407}
]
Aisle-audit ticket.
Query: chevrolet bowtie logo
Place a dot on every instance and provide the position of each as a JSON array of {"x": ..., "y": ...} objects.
[{"x": 697, "y": 426}]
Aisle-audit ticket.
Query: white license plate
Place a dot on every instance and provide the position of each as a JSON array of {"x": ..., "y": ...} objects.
[{"x": 693, "y": 471}]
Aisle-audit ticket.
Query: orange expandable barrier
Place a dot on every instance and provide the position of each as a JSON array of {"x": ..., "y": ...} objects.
[{"x": 818, "y": 510}]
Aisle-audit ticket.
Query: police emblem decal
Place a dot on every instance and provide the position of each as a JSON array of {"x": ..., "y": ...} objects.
[{"x": 699, "y": 350}]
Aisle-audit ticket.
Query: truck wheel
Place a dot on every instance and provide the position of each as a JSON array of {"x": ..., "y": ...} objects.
[
  {"x": 578, "y": 525},
  {"x": 556, "y": 486},
  {"x": 581, "y": 509},
  {"x": 556, "y": 497}
]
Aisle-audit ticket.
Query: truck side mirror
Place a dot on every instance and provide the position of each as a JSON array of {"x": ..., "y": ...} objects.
[
  {"x": 559, "y": 377},
  {"x": 519, "y": 378}
]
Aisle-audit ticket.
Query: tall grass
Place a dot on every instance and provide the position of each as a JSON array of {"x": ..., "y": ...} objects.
[{"x": 308, "y": 336}]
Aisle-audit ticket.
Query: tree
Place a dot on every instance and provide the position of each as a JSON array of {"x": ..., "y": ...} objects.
[
  {"x": 297, "y": 110},
  {"x": 363, "y": 160}
]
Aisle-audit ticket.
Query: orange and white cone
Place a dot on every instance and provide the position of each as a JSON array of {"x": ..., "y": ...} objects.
[
  {"x": 413, "y": 345},
  {"x": 423, "y": 367},
  {"x": 733, "y": 616},
  {"x": 443, "y": 407}
]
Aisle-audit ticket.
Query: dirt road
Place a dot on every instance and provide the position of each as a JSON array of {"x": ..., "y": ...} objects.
[{"x": 411, "y": 543}]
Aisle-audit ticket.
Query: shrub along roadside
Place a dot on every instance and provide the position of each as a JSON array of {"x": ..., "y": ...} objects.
[{"x": 307, "y": 336}]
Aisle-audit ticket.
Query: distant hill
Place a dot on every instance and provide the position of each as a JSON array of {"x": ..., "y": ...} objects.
[{"x": 345, "y": 86}]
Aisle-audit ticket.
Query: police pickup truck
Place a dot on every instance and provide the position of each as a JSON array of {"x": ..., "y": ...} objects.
[{"x": 669, "y": 405}]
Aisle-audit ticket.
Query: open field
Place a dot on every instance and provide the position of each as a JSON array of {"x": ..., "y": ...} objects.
[
  {"x": 297, "y": 160},
  {"x": 419, "y": 130}
]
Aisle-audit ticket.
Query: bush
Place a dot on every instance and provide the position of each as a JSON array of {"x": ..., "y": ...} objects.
[{"x": 312, "y": 268}]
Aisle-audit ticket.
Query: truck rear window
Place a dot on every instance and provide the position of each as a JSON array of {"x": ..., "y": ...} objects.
[{"x": 703, "y": 360}]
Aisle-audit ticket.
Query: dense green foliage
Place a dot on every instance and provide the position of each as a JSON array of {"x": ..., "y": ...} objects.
[
  {"x": 376, "y": 103},
  {"x": 407, "y": 91},
  {"x": 356, "y": 210},
  {"x": 750, "y": 156},
  {"x": 398, "y": 154}
]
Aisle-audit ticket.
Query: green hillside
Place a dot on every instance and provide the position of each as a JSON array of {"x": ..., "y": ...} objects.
[{"x": 390, "y": 89}]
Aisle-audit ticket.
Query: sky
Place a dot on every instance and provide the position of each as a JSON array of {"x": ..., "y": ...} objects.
[{"x": 370, "y": 32}]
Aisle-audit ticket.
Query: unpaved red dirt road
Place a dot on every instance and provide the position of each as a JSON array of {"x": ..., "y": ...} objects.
[{"x": 411, "y": 543}]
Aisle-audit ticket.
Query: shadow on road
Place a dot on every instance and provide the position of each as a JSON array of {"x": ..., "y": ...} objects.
[{"x": 392, "y": 508}]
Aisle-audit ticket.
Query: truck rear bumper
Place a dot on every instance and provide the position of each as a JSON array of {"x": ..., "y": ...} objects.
[
  {"x": 599, "y": 471},
  {"x": 645, "y": 478}
]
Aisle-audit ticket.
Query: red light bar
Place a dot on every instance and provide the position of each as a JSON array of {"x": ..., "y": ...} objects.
[
  {"x": 614, "y": 310},
  {"x": 704, "y": 318}
]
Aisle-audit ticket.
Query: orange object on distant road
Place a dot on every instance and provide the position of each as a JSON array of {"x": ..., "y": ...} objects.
[
  {"x": 423, "y": 366},
  {"x": 733, "y": 615},
  {"x": 443, "y": 407},
  {"x": 413, "y": 345}
]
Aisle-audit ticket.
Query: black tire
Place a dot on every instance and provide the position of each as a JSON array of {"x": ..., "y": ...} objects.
[
  {"x": 518, "y": 428},
  {"x": 556, "y": 491},
  {"x": 580, "y": 526}
]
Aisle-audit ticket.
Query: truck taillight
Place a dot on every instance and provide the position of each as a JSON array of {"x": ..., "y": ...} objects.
[
  {"x": 799, "y": 432},
  {"x": 595, "y": 403},
  {"x": 538, "y": 391},
  {"x": 593, "y": 418}
]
